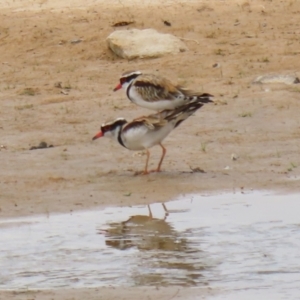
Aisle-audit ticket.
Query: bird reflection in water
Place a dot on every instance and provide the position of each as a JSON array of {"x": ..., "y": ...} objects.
[{"x": 165, "y": 256}]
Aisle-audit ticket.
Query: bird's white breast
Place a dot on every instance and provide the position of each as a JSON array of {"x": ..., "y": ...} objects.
[{"x": 142, "y": 137}]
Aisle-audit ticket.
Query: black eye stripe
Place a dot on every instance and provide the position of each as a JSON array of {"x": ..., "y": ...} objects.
[
  {"x": 113, "y": 126},
  {"x": 128, "y": 78},
  {"x": 105, "y": 128}
]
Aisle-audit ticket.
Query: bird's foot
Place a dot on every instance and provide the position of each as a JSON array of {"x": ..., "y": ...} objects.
[
  {"x": 155, "y": 171},
  {"x": 141, "y": 173}
]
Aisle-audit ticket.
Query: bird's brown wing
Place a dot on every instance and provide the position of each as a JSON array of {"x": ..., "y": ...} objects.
[
  {"x": 152, "y": 122},
  {"x": 154, "y": 88}
]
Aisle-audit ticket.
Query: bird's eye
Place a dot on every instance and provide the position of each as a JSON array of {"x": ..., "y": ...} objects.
[
  {"x": 105, "y": 128},
  {"x": 122, "y": 80}
]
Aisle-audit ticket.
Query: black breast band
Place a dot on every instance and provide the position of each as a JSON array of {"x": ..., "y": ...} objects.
[
  {"x": 127, "y": 91},
  {"x": 120, "y": 139}
]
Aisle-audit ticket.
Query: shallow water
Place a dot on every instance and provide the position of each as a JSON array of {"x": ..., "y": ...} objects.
[{"x": 246, "y": 244}]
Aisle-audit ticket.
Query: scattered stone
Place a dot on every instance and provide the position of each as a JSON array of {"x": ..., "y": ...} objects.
[
  {"x": 2, "y": 147},
  {"x": 167, "y": 23},
  {"x": 204, "y": 7},
  {"x": 42, "y": 145},
  {"x": 58, "y": 84},
  {"x": 216, "y": 65},
  {"x": 234, "y": 156},
  {"x": 64, "y": 92},
  {"x": 276, "y": 78},
  {"x": 197, "y": 170},
  {"x": 76, "y": 41},
  {"x": 147, "y": 43},
  {"x": 227, "y": 168},
  {"x": 122, "y": 23}
]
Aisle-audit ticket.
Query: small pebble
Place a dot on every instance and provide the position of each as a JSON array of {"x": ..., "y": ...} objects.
[
  {"x": 76, "y": 41},
  {"x": 58, "y": 84},
  {"x": 234, "y": 156},
  {"x": 42, "y": 145},
  {"x": 197, "y": 170}
]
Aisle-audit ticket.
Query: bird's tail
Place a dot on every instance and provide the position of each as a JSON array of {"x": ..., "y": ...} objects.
[
  {"x": 203, "y": 98},
  {"x": 193, "y": 96},
  {"x": 181, "y": 113}
]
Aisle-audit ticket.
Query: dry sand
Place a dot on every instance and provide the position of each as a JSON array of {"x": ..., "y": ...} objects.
[{"x": 258, "y": 123}]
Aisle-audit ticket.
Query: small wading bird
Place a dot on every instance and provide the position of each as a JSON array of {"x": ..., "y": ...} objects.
[
  {"x": 155, "y": 92},
  {"x": 146, "y": 132}
]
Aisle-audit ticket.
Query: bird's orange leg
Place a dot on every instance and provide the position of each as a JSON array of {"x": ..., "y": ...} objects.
[
  {"x": 145, "y": 172},
  {"x": 147, "y": 161},
  {"x": 164, "y": 151}
]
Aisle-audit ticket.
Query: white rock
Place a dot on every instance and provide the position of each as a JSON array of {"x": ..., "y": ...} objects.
[
  {"x": 277, "y": 78},
  {"x": 135, "y": 43}
]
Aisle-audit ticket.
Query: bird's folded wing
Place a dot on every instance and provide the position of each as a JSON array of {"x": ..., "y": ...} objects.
[
  {"x": 151, "y": 123},
  {"x": 154, "y": 88}
]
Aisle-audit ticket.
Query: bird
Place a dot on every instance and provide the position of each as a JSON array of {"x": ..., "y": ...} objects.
[
  {"x": 155, "y": 92},
  {"x": 145, "y": 132}
]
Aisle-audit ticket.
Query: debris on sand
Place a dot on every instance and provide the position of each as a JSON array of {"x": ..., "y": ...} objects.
[
  {"x": 122, "y": 23},
  {"x": 234, "y": 156},
  {"x": 42, "y": 145},
  {"x": 197, "y": 170},
  {"x": 167, "y": 23}
]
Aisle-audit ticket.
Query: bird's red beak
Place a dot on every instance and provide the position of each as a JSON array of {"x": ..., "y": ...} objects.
[
  {"x": 98, "y": 135},
  {"x": 119, "y": 86}
]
